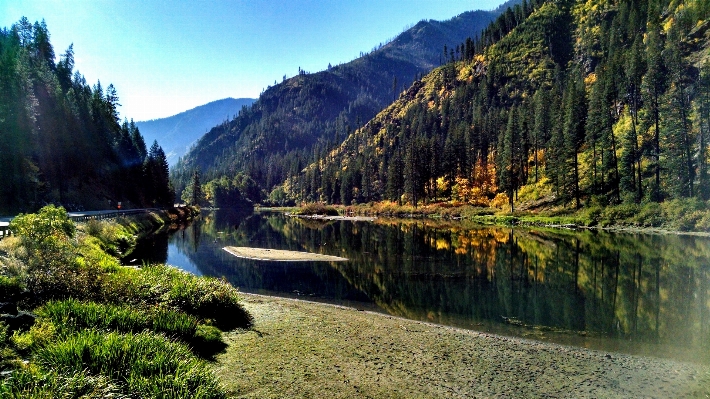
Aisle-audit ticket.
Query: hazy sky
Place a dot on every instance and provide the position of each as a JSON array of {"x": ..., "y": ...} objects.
[{"x": 165, "y": 57}]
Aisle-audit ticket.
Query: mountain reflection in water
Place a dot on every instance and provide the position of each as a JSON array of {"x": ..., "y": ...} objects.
[{"x": 633, "y": 293}]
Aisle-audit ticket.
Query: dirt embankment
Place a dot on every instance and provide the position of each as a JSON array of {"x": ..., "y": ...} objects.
[{"x": 302, "y": 349}]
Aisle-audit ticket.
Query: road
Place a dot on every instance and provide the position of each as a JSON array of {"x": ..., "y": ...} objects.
[{"x": 78, "y": 216}]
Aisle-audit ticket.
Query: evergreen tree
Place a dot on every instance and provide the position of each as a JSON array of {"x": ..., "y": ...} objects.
[
  {"x": 574, "y": 107},
  {"x": 653, "y": 87},
  {"x": 704, "y": 131},
  {"x": 193, "y": 194}
]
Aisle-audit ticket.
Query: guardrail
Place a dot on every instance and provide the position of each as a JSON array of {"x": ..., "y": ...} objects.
[{"x": 82, "y": 217}]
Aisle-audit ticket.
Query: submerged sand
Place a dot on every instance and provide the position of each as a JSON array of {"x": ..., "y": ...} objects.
[
  {"x": 302, "y": 349},
  {"x": 280, "y": 255}
]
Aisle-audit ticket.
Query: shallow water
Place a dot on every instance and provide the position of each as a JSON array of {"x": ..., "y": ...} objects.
[{"x": 632, "y": 293}]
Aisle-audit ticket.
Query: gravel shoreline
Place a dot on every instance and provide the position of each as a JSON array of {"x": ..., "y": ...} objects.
[{"x": 303, "y": 349}]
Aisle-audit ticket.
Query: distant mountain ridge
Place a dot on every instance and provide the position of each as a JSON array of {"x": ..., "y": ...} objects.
[
  {"x": 311, "y": 112},
  {"x": 178, "y": 132}
]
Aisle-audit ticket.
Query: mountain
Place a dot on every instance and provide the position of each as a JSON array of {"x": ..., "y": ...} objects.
[
  {"x": 178, "y": 132},
  {"x": 312, "y": 112},
  {"x": 562, "y": 103}
]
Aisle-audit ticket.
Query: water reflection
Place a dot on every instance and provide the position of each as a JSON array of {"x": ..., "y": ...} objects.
[{"x": 645, "y": 294}]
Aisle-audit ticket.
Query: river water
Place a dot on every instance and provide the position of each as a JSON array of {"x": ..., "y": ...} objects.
[{"x": 640, "y": 294}]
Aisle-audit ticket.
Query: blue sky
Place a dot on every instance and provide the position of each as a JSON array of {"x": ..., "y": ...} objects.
[{"x": 165, "y": 57}]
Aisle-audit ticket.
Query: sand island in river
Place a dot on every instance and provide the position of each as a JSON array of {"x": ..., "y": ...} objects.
[{"x": 279, "y": 255}]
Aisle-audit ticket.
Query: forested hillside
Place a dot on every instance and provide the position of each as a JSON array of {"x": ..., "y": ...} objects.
[
  {"x": 61, "y": 140},
  {"x": 560, "y": 102},
  {"x": 178, "y": 132},
  {"x": 312, "y": 112}
]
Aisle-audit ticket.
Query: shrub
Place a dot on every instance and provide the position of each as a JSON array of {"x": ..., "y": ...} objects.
[
  {"x": 649, "y": 215},
  {"x": 591, "y": 216},
  {"x": 619, "y": 214},
  {"x": 500, "y": 201}
]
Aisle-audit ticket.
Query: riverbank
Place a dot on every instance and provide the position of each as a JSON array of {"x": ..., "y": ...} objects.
[
  {"x": 305, "y": 349},
  {"x": 687, "y": 216},
  {"x": 75, "y": 323}
]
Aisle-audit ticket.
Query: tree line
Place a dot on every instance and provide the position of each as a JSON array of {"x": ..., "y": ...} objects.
[{"x": 61, "y": 140}]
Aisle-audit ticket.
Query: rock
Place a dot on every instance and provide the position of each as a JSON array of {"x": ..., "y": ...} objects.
[
  {"x": 21, "y": 321},
  {"x": 8, "y": 308}
]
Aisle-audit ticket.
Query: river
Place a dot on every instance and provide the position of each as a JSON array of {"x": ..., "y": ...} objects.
[{"x": 643, "y": 294}]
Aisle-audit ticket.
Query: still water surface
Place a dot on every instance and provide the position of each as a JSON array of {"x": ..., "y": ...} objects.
[{"x": 631, "y": 293}]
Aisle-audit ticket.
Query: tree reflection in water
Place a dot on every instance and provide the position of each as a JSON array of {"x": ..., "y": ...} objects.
[{"x": 635, "y": 293}]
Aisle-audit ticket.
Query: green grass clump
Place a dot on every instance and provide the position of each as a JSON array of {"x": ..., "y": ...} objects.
[
  {"x": 72, "y": 315},
  {"x": 207, "y": 298},
  {"x": 148, "y": 365},
  {"x": 208, "y": 341},
  {"x": 317, "y": 209},
  {"x": 114, "y": 238},
  {"x": 36, "y": 384}
]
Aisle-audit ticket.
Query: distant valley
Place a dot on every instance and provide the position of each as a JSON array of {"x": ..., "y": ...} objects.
[{"x": 178, "y": 132}]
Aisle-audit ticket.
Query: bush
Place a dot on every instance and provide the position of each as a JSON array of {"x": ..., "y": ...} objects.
[
  {"x": 591, "y": 216},
  {"x": 618, "y": 215},
  {"x": 650, "y": 215}
]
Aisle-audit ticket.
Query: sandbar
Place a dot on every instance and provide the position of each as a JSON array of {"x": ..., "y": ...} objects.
[
  {"x": 280, "y": 255},
  {"x": 300, "y": 349}
]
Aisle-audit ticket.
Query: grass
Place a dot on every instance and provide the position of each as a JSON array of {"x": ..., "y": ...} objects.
[
  {"x": 104, "y": 330},
  {"x": 73, "y": 315},
  {"x": 316, "y": 209},
  {"x": 147, "y": 364}
]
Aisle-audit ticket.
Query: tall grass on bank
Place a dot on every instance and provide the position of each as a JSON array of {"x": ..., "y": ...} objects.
[
  {"x": 316, "y": 208},
  {"x": 33, "y": 384},
  {"x": 104, "y": 330},
  {"x": 72, "y": 315},
  {"x": 210, "y": 299},
  {"x": 149, "y": 365}
]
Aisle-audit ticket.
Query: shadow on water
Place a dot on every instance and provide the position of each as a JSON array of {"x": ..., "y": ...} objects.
[{"x": 640, "y": 294}]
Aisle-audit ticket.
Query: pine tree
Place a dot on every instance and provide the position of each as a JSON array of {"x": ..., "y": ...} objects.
[
  {"x": 704, "y": 131},
  {"x": 574, "y": 107},
  {"x": 675, "y": 126},
  {"x": 653, "y": 86}
]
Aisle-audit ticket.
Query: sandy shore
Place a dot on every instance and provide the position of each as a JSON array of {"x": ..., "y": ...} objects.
[
  {"x": 280, "y": 255},
  {"x": 308, "y": 350}
]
